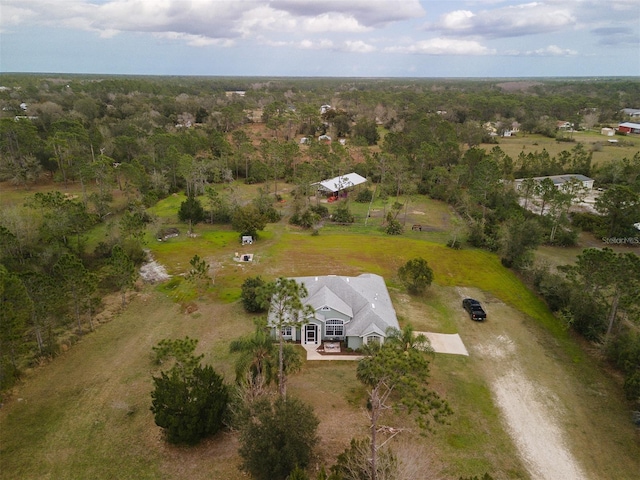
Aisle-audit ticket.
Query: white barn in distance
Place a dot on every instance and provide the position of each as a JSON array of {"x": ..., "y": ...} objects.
[
  {"x": 340, "y": 183},
  {"x": 560, "y": 180}
]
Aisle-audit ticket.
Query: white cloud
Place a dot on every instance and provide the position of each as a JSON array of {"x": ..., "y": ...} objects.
[
  {"x": 358, "y": 47},
  {"x": 212, "y": 18},
  {"x": 14, "y": 14},
  {"x": 458, "y": 20},
  {"x": 315, "y": 44},
  {"x": 444, "y": 46},
  {"x": 332, "y": 22},
  {"x": 550, "y": 51},
  {"x": 194, "y": 40},
  {"x": 366, "y": 12},
  {"x": 509, "y": 21}
]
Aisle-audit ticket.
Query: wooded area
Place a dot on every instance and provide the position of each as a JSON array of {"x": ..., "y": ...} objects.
[{"x": 125, "y": 143}]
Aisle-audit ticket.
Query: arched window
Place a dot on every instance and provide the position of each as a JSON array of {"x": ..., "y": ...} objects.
[
  {"x": 373, "y": 339},
  {"x": 334, "y": 328}
]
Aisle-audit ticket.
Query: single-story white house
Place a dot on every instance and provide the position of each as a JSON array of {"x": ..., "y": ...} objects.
[
  {"x": 609, "y": 132},
  {"x": 560, "y": 180},
  {"x": 339, "y": 183},
  {"x": 354, "y": 310}
]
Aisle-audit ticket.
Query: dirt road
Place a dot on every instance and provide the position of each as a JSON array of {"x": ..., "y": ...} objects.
[{"x": 530, "y": 388}]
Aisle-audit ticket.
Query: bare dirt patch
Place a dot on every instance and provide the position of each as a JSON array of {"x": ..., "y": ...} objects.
[{"x": 153, "y": 272}]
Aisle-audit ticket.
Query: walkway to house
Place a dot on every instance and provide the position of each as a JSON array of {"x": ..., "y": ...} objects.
[{"x": 440, "y": 342}]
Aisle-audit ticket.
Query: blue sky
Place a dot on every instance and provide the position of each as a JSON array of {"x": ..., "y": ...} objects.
[{"x": 364, "y": 38}]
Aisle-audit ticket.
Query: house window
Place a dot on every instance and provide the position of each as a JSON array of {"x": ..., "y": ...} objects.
[
  {"x": 286, "y": 331},
  {"x": 373, "y": 339},
  {"x": 325, "y": 309},
  {"x": 334, "y": 328}
]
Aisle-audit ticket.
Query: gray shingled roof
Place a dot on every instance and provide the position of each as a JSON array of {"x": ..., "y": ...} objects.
[
  {"x": 366, "y": 295},
  {"x": 325, "y": 296},
  {"x": 561, "y": 179}
]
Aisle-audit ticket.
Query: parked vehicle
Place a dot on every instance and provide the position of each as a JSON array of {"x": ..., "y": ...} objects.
[{"x": 475, "y": 310}]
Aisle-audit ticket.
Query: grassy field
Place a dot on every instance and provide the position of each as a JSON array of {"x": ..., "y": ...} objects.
[
  {"x": 86, "y": 414},
  {"x": 602, "y": 154}
]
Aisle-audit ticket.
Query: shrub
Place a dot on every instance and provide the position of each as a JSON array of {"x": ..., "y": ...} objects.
[
  {"x": 455, "y": 244},
  {"x": 277, "y": 438},
  {"x": 321, "y": 210},
  {"x": 355, "y": 464},
  {"x": 305, "y": 219},
  {"x": 416, "y": 275},
  {"x": 624, "y": 352},
  {"x": 588, "y": 222},
  {"x": 251, "y": 297},
  {"x": 566, "y": 237},
  {"x": 342, "y": 214},
  {"x": 555, "y": 290},
  {"x": 364, "y": 196},
  {"x": 587, "y": 317},
  {"x": 189, "y": 408},
  {"x": 394, "y": 227}
]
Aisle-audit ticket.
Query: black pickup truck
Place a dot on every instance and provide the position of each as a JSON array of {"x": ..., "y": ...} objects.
[{"x": 475, "y": 309}]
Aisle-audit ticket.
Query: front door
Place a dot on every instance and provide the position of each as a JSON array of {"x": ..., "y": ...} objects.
[{"x": 311, "y": 333}]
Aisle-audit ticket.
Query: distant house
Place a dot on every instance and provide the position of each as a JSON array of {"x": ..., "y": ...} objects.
[
  {"x": 631, "y": 112},
  {"x": 342, "y": 182},
  {"x": 324, "y": 138},
  {"x": 609, "y": 132},
  {"x": 560, "y": 180},
  {"x": 561, "y": 125},
  {"x": 629, "y": 127},
  {"x": 354, "y": 310},
  {"x": 324, "y": 109},
  {"x": 237, "y": 93}
]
